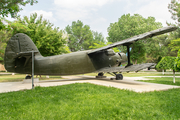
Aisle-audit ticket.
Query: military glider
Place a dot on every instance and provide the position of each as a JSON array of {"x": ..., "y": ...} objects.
[{"x": 19, "y": 50}]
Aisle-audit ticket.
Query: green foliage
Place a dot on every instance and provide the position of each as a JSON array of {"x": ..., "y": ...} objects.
[
  {"x": 2, "y": 26},
  {"x": 102, "y": 44},
  {"x": 98, "y": 37},
  {"x": 88, "y": 101},
  {"x": 177, "y": 61},
  {"x": 5, "y": 35},
  {"x": 48, "y": 39},
  {"x": 1, "y": 58},
  {"x": 80, "y": 36},
  {"x": 129, "y": 26},
  {"x": 6, "y": 32},
  {"x": 174, "y": 9},
  {"x": 12, "y": 7},
  {"x": 157, "y": 47},
  {"x": 167, "y": 62},
  {"x": 175, "y": 45}
]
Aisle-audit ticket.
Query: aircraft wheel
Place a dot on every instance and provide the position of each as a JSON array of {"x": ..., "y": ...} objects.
[
  {"x": 119, "y": 77},
  {"x": 28, "y": 77},
  {"x": 100, "y": 74}
]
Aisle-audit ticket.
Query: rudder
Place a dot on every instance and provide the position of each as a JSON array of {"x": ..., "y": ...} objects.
[{"x": 19, "y": 43}]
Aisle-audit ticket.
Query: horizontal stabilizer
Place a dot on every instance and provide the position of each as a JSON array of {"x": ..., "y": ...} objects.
[
  {"x": 131, "y": 68},
  {"x": 24, "y": 54}
]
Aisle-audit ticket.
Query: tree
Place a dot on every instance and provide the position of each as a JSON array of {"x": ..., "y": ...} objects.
[
  {"x": 12, "y": 7},
  {"x": 102, "y": 44},
  {"x": 174, "y": 9},
  {"x": 48, "y": 39},
  {"x": 175, "y": 45},
  {"x": 6, "y": 33},
  {"x": 98, "y": 37},
  {"x": 80, "y": 36},
  {"x": 129, "y": 26},
  {"x": 167, "y": 62},
  {"x": 158, "y": 47},
  {"x": 4, "y": 37},
  {"x": 177, "y": 62}
]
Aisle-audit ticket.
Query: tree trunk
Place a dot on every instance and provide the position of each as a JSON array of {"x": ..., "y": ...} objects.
[
  {"x": 173, "y": 76},
  {"x": 163, "y": 71}
]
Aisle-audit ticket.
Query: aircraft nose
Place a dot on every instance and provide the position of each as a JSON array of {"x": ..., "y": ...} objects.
[{"x": 123, "y": 57}]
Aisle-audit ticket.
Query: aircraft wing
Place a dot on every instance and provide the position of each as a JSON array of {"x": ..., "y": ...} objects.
[
  {"x": 135, "y": 68},
  {"x": 136, "y": 38}
]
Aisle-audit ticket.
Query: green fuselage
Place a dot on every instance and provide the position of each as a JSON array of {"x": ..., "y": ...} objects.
[
  {"x": 18, "y": 59},
  {"x": 69, "y": 64}
]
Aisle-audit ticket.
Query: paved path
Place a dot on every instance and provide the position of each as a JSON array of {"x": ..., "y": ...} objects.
[{"x": 128, "y": 83}]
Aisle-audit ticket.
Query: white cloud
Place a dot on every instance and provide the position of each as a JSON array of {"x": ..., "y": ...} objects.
[
  {"x": 80, "y": 3},
  {"x": 46, "y": 15},
  {"x": 72, "y": 14},
  {"x": 71, "y": 10},
  {"x": 157, "y": 9}
]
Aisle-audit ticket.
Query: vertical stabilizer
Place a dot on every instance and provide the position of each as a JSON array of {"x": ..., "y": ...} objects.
[{"x": 18, "y": 44}]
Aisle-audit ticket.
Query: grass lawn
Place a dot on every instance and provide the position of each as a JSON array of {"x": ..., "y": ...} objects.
[
  {"x": 87, "y": 102},
  {"x": 163, "y": 80},
  {"x": 21, "y": 77},
  {"x": 138, "y": 74}
]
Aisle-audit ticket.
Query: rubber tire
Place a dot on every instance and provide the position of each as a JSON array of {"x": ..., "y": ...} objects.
[
  {"x": 28, "y": 77},
  {"x": 119, "y": 77},
  {"x": 100, "y": 74}
]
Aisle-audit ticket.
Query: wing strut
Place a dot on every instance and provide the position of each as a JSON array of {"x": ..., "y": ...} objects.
[{"x": 128, "y": 55}]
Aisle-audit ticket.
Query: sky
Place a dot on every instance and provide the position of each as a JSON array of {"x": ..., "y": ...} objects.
[{"x": 98, "y": 14}]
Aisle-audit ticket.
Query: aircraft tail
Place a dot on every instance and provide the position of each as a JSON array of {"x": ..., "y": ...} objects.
[{"x": 18, "y": 52}]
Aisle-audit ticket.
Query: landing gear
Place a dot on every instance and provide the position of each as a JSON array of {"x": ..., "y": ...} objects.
[
  {"x": 100, "y": 75},
  {"x": 119, "y": 77},
  {"x": 28, "y": 77}
]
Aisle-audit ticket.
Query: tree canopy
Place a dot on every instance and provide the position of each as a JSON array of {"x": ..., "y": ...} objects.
[
  {"x": 6, "y": 33},
  {"x": 98, "y": 37},
  {"x": 177, "y": 62},
  {"x": 129, "y": 26},
  {"x": 174, "y": 9},
  {"x": 166, "y": 63},
  {"x": 175, "y": 45},
  {"x": 12, "y": 7},
  {"x": 48, "y": 39},
  {"x": 80, "y": 36},
  {"x": 102, "y": 44},
  {"x": 4, "y": 37}
]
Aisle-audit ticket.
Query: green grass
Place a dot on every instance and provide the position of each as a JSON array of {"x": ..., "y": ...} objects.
[
  {"x": 138, "y": 74},
  {"x": 21, "y": 77},
  {"x": 87, "y": 102},
  {"x": 163, "y": 80}
]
